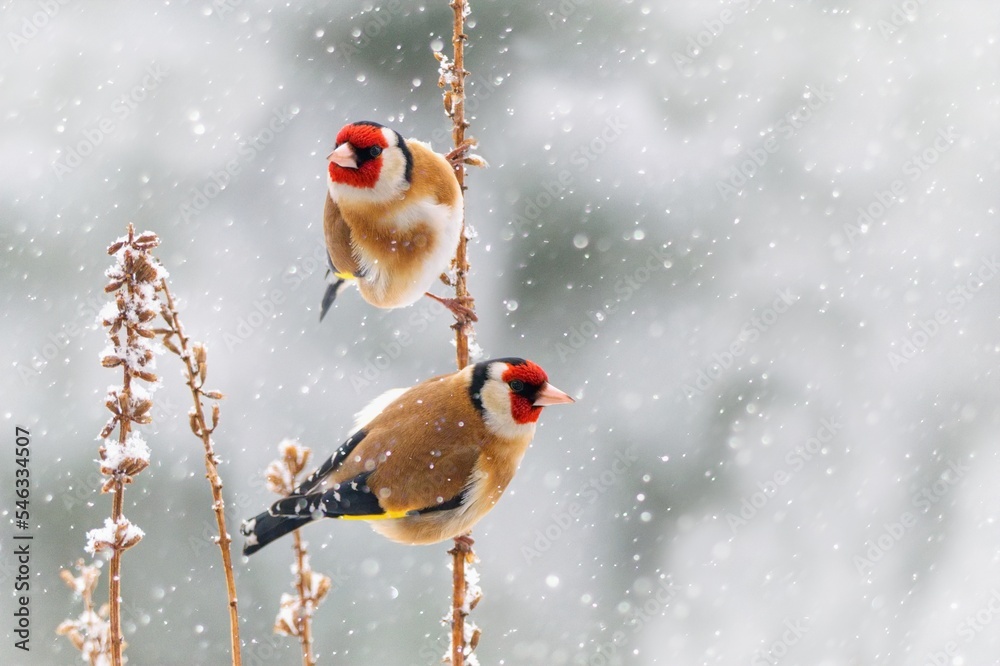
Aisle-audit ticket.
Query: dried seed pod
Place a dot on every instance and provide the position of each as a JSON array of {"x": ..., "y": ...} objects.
[
  {"x": 127, "y": 467},
  {"x": 68, "y": 578},
  {"x": 146, "y": 376},
  {"x": 111, "y": 361},
  {"x": 285, "y": 623},
  {"x": 278, "y": 481},
  {"x": 474, "y": 641},
  {"x": 68, "y": 628},
  {"x": 322, "y": 588},
  {"x": 127, "y": 543},
  {"x": 195, "y": 425},
  {"x": 144, "y": 272},
  {"x": 108, "y": 427}
]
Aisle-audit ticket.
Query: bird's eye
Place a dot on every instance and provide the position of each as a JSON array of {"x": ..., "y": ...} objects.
[
  {"x": 374, "y": 151},
  {"x": 516, "y": 386}
]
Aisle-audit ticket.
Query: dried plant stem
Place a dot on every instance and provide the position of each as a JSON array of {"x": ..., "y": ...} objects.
[
  {"x": 118, "y": 504},
  {"x": 459, "y": 555},
  {"x": 459, "y": 125},
  {"x": 115, "y": 570},
  {"x": 195, "y": 367},
  {"x": 117, "y": 509},
  {"x": 455, "y": 109},
  {"x": 304, "y": 619}
]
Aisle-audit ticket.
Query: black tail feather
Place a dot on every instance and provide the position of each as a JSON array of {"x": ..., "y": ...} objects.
[
  {"x": 330, "y": 295},
  {"x": 265, "y": 528}
]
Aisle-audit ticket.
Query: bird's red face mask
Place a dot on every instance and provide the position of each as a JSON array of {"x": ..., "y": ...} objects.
[
  {"x": 357, "y": 159},
  {"x": 530, "y": 391}
]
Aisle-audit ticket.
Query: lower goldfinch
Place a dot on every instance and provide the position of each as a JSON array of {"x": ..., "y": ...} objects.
[{"x": 423, "y": 464}]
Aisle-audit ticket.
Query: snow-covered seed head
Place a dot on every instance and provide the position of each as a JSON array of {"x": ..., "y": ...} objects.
[
  {"x": 129, "y": 458},
  {"x": 134, "y": 278},
  {"x": 282, "y": 474},
  {"x": 120, "y": 535},
  {"x": 90, "y": 632}
]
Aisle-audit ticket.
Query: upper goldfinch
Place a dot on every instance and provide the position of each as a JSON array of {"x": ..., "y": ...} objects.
[
  {"x": 392, "y": 218},
  {"x": 423, "y": 464}
]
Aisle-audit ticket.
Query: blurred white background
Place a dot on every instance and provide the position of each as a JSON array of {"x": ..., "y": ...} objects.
[{"x": 756, "y": 239}]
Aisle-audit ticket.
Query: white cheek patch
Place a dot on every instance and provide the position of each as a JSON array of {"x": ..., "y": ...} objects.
[{"x": 496, "y": 412}]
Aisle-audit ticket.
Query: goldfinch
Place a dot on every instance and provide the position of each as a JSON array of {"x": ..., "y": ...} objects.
[
  {"x": 392, "y": 218},
  {"x": 423, "y": 464}
]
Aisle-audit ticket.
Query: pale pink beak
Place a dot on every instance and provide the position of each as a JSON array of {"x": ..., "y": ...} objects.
[
  {"x": 344, "y": 156},
  {"x": 550, "y": 395}
]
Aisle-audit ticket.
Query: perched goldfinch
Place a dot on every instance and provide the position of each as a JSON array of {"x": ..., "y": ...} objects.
[
  {"x": 392, "y": 218},
  {"x": 423, "y": 464}
]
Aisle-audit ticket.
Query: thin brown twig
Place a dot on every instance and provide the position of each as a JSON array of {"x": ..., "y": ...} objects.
[
  {"x": 453, "y": 78},
  {"x": 194, "y": 358},
  {"x": 459, "y": 125},
  {"x": 457, "y": 598},
  {"x": 118, "y": 506},
  {"x": 114, "y": 574},
  {"x": 304, "y": 617},
  {"x": 459, "y": 554}
]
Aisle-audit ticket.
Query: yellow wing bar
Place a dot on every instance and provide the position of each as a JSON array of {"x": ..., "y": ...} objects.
[{"x": 377, "y": 516}]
